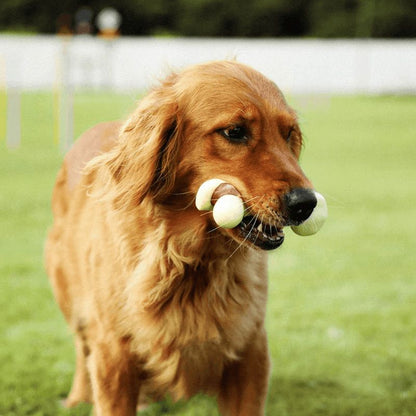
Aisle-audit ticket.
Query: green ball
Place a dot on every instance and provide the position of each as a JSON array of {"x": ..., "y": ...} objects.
[
  {"x": 316, "y": 220},
  {"x": 228, "y": 211},
  {"x": 204, "y": 194}
]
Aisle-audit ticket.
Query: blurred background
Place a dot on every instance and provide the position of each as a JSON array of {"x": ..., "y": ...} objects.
[
  {"x": 263, "y": 18},
  {"x": 306, "y": 45},
  {"x": 341, "y": 313}
]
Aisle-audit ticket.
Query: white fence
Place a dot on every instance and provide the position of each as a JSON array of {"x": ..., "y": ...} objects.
[{"x": 297, "y": 66}]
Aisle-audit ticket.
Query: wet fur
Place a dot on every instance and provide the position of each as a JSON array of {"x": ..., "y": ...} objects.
[{"x": 158, "y": 299}]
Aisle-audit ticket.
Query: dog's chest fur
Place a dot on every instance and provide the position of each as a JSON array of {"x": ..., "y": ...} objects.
[{"x": 196, "y": 317}]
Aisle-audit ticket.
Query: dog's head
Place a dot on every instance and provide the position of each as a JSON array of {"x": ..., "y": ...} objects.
[{"x": 218, "y": 120}]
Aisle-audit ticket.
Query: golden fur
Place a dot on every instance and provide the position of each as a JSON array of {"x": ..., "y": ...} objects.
[{"x": 159, "y": 300}]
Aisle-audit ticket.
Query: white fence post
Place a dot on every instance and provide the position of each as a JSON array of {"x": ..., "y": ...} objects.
[
  {"x": 13, "y": 118},
  {"x": 3, "y": 99},
  {"x": 12, "y": 76},
  {"x": 64, "y": 99}
]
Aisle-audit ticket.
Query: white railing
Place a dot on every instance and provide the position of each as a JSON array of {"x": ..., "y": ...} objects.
[{"x": 297, "y": 66}]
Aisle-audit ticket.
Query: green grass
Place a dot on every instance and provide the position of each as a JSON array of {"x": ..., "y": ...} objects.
[{"x": 342, "y": 304}]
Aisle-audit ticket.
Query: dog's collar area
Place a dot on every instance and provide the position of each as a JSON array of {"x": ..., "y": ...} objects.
[{"x": 264, "y": 236}]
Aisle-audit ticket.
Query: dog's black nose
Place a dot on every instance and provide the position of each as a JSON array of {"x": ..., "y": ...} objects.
[{"x": 300, "y": 203}]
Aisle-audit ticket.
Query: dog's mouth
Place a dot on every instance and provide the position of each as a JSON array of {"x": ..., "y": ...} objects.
[{"x": 263, "y": 235}]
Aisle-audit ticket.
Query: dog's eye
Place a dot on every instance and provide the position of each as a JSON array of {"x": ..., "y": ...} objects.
[
  {"x": 289, "y": 136},
  {"x": 237, "y": 134}
]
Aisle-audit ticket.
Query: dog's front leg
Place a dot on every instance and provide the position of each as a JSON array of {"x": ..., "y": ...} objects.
[
  {"x": 245, "y": 382},
  {"x": 114, "y": 378},
  {"x": 81, "y": 386}
]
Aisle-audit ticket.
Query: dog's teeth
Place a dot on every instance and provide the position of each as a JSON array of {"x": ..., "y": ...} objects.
[{"x": 260, "y": 227}]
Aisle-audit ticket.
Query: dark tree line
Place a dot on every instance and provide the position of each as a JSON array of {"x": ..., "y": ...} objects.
[{"x": 238, "y": 18}]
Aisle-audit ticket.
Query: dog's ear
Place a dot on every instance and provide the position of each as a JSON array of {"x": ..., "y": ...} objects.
[{"x": 143, "y": 163}]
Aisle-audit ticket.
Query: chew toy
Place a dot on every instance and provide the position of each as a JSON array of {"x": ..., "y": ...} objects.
[
  {"x": 228, "y": 211},
  {"x": 223, "y": 199},
  {"x": 204, "y": 194},
  {"x": 316, "y": 220}
]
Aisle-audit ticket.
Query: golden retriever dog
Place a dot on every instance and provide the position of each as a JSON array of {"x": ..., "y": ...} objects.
[{"x": 160, "y": 300}]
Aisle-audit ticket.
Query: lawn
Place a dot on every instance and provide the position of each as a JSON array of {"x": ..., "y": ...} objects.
[{"x": 342, "y": 304}]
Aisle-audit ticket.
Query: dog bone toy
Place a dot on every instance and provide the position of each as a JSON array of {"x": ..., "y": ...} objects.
[
  {"x": 228, "y": 208},
  {"x": 224, "y": 201},
  {"x": 316, "y": 220}
]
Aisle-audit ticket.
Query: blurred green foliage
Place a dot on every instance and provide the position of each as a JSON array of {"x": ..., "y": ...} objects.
[{"x": 256, "y": 18}]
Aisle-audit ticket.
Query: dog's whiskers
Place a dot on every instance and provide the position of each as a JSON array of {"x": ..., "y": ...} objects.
[
  {"x": 253, "y": 220},
  {"x": 256, "y": 199},
  {"x": 182, "y": 193},
  {"x": 253, "y": 198}
]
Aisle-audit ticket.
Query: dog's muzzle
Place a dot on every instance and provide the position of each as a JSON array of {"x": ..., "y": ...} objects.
[{"x": 301, "y": 208}]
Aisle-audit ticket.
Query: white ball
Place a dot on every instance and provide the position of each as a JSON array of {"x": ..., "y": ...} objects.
[
  {"x": 204, "y": 194},
  {"x": 316, "y": 220},
  {"x": 228, "y": 211}
]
